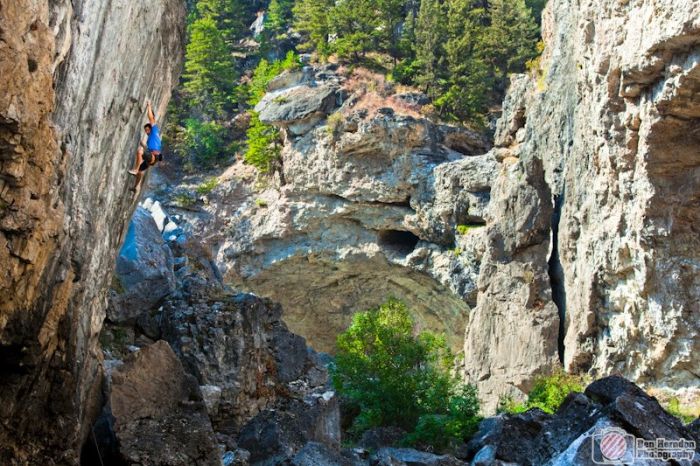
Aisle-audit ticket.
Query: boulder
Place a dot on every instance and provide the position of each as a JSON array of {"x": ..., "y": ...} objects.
[
  {"x": 290, "y": 78},
  {"x": 573, "y": 433},
  {"x": 319, "y": 454},
  {"x": 411, "y": 457},
  {"x": 378, "y": 437},
  {"x": 277, "y": 434},
  {"x": 297, "y": 108},
  {"x": 416, "y": 99},
  {"x": 144, "y": 272},
  {"x": 238, "y": 348},
  {"x": 159, "y": 415}
]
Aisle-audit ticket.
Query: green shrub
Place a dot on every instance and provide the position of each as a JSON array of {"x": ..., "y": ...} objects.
[
  {"x": 266, "y": 72},
  {"x": 547, "y": 394},
  {"x": 201, "y": 143},
  {"x": 184, "y": 200},
  {"x": 208, "y": 186},
  {"x": 465, "y": 229},
  {"x": 261, "y": 203},
  {"x": 685, "y": 413},
  {"x": 396, "y": 378},
  {"x": 263, "y": 145},
  {"x": 334, "y": 123},
  {"x": 440, "y": 430}
]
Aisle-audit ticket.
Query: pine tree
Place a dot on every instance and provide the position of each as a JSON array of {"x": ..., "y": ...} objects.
[
  {"x": 392, "y": 15},
  {"x": 231, "y": 17},
  {"x": 209, "y": 68},
  {"x": 278, "y": 17},
  {"x": 467, "y": 82},
  {"x": 536, "y": 6},
  {"x": 510, "y": 39},
  {"x": 430, "y": 37},
  {"x": 356, "y": 24},
  {"x": 311, "y": 19}
]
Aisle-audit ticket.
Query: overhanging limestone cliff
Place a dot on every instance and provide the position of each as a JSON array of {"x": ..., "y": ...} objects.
[{"x": 75, "y": 77}]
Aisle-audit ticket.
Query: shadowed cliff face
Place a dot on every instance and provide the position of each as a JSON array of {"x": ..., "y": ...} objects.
[{"x": 75, "y": 79}]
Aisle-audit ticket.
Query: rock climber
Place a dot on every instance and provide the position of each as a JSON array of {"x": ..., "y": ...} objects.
[{"x": 148, "y": 153}]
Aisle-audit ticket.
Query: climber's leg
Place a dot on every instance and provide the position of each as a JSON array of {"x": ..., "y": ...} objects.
[{"x": 138, "y": 162}]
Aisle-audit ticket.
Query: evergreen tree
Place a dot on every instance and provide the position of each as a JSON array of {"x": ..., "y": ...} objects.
[
  {"x": 536, "y": 6},
  {"x": 430, "y": 38},
  {"x": 466, "y": 88},
  {"x": 392, "y": 15},
  {"x": 311, "y": 19},
  {"x": 209, "y": 78},
  {"x": 279, "y": 15},
  {"x": 231, "y": 17},
  {"x": 356, "y": 24},
  {"x": 509, "y": 41}
]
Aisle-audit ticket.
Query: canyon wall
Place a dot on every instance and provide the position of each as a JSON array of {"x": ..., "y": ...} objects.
[
  {"x": 76, "y": 75},
  {"x": 594, "y": 217}
]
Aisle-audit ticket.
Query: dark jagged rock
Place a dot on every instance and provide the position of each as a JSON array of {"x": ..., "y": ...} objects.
[
  {"x": 411, "y": 457},
  {"x": 144, "y": 273},
  {"x": 378, "y": 437},
  {"x": 275, "y": 435},
  {"x": 237, "y": 346},
  {"x": 159, "y": 415},
  {"x": 535, "y": 438}
]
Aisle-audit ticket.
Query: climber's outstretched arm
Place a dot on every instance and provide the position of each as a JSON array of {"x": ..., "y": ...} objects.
[{"x": 151, "y": 116}]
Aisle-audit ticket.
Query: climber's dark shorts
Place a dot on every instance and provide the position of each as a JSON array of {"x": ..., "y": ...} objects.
[{"x": 149, "y": 159}]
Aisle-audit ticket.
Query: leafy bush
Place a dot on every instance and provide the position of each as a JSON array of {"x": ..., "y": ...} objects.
[
  {"x": 208, "y": 186},
  {"x": 396, "y": 378},
  {"x": 547, "y": 393},
  {"x": 460, "y": 422},
  {"x": 686, "y": 414},
  {"x": 200, "y": 142}
]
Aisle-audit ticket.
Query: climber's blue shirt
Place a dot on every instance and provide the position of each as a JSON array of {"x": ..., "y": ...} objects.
[{"x": 153, "y": 143}]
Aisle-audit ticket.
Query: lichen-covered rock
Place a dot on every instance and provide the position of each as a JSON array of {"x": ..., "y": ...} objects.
[
  {"x": 144, "y": 273},
  {"x": 159, "y": 415},
  {"x": 75, "y": 77}
]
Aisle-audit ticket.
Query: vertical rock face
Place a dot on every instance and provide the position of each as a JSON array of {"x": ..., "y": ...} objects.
[
  {"x": 75, "y": 77},
  {"x": 614, "y": 118}
]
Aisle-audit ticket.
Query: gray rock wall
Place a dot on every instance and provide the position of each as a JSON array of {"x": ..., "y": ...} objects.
[
  {"x": 613, "y": 119},
  {"x": 75, "y": 79}
]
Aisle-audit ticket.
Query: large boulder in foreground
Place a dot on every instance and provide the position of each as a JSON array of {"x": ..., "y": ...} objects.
[
  {"x": 238, "y": 348},
  {"x": 144, "y": 273},
  {"x": 573, "y": 435},
  {"x": 159, "y": 415},
  {"x": 275, "y": 435}
]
